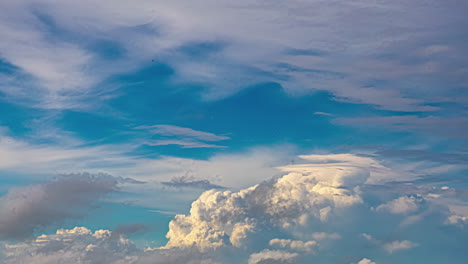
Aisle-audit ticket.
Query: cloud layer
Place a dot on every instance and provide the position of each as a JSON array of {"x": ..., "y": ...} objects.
[
  {"x": 299, "y": 217},
  {"x": 356, "y": 51}
]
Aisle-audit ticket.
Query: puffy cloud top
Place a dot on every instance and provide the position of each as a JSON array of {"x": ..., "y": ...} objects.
[
  {"x": 219, "y": 218},
  {"x": 77, "y": 245}
]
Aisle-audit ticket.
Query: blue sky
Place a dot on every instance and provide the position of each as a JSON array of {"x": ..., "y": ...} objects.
[{"x": 221, "y": 132}]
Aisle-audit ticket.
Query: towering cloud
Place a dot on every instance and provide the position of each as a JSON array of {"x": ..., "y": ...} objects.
[{"x": 291, "y": 202}]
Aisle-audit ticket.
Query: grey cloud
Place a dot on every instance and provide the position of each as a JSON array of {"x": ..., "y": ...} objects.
[
  {"x": 24, "y": 209},
  {"x": 128, "y": 229},
  {"x": 130, "y": 180},
  {"x": 190, "y": 182}
]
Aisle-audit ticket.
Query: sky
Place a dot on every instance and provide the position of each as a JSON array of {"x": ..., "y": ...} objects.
[{"x": 257, "y": 132}]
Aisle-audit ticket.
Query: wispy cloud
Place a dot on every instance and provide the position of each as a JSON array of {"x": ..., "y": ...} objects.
[
  {"x": 169, "y": 130},
  {"x": 183, "y": 143},
  {"x": 181, "y": 136},
  {"x": 441, "y": 126},
  {"x": 47, "y": 43}
]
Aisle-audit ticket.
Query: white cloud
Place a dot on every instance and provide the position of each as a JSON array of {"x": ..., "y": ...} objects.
[
  {"x": 169, "y": 130},
  {"x": 458, "y": 214},
  {"x": 394, "y": 246},
  {"x": 273, "y": 257},
  {"x": 221, "y": 218},
  {"x": 183, "y": 143},
  {"x": 77, "y": 245},
  {"x": 401, "y": 205},
  {"x": 346, "y": 169},
  {"x": 182, "y": 136},
  {"x": 81, "y": 245},
  {"x": 71, "y": 155},
  {"x": 366, "y": 261},
  {"x": 323, "y": 114},
  {"x": 325, "y": 236},
  {"x": 284, "y": 52},
  {"x": 457, "y": 220},
  {"x": 294, "y": 245}
]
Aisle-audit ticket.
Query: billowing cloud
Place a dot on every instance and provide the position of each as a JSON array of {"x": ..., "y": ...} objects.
[
  {"x": 220, "y": 218},
  {"x": 400, "y": 205},
  {"x": 77, "y": 245}
]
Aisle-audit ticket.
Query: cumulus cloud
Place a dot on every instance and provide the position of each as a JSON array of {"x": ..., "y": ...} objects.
[
  {"x": 402, "y": 205},
  {"x": 294, "y": 245},
  {"x": 77, "y": 245},
  {"x": 220, "y": 218},
  {"x": 392, "y": 246},
  {"x": 273, "y": 257},
  {"x": 24, "y": 209},
  {"x": 80, "y": 245},
  {"x": 325, "y": 236},
  {"x": 366, "y": 261},
  {"x": 457, "y": 220}
]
